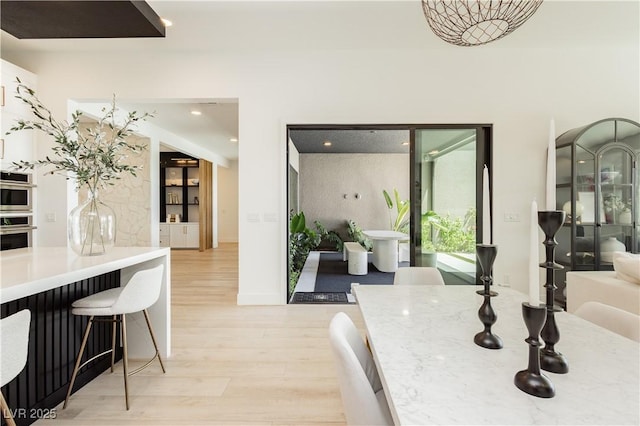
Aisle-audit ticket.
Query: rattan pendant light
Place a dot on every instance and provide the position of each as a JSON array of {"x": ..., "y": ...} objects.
[{"x": 476, "y": 22}]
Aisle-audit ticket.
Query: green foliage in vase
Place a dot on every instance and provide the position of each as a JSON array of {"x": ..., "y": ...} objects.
[{"x": 96, "y": 156}]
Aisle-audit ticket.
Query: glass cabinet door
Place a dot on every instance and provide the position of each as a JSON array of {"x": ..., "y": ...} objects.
[
  {"x": 636, "y": 209},
  {"x": 585, "y": 186},
  {"x": 615, "y": 178},
  {"x": 586, "y": 208}
]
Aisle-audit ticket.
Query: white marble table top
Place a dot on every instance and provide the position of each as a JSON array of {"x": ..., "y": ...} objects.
[
  {"x": 385, "y": 235},
  {"x": 433, "y": 372}
]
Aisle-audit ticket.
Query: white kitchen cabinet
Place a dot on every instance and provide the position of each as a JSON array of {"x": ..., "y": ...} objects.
[
  {"x": 10, "y": 103},
  {"x": 184, "y": 235},
  {"x": 19, "y": 145},
  {"x": 165, "y": 235}
]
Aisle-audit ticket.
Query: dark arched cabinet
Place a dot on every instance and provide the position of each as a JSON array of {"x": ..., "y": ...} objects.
[{"x": 597, "y": 185}]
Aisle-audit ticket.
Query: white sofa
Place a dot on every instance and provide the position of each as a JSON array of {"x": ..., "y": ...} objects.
[{"x": 604, "y": 287}]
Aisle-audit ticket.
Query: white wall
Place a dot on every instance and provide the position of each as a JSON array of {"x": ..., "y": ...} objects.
[{"x": 517, "y": 90}]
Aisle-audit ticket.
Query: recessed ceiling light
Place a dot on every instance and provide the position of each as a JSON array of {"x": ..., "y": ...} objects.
[
  {"x": 233, "y": 140},
  {"x": 405, "y": 143},
  {"x": 581, "y": 161},
  {"x": 326, "y": 143},
  {"x": 196, "y": 112},
  {"x": 434, "y": 152},
  {"x": 166, "y": 22}
]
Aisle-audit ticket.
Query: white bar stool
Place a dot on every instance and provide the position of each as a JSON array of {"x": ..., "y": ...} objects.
[
  {"x": 142, "y": 291},
  {"x": 14, "y": 347}
]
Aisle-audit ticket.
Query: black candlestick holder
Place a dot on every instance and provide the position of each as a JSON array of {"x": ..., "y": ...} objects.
[
  {"x": 531, "y": 380},
  {"x": 486, "y": 256},
  {"x": 550, "y": 360}
]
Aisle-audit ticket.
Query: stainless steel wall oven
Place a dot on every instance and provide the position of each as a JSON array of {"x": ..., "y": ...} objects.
[
  {"x": 16, "y": 232},
  {"x": 16, "y": 207},
  {"x": 16, "y": 192}
]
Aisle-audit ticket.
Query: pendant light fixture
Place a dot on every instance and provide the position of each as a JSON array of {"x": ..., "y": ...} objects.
[{"x": 476, "y": 22}]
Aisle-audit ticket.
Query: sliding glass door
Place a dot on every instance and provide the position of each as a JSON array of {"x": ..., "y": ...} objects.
[{"x": 446, "y": 176}]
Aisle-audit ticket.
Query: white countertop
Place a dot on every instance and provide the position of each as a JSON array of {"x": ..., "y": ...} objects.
[
  {"x": 433, "y": 372},
  {"x": 28, "y": 271}
]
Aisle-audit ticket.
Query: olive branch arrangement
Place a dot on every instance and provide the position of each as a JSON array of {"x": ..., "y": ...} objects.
[{"x": 95, "y": 157}]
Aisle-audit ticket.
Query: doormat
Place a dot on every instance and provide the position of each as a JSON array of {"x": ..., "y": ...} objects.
[{"x": 320, "y": 297}]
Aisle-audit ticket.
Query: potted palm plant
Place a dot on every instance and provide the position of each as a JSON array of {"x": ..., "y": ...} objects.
[{"x": 401, "y": 221}]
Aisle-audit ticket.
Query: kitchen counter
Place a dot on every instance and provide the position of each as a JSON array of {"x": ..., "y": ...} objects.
[
  {"x": 28, "y": 271},
  {"x": 47, "y": 280}
]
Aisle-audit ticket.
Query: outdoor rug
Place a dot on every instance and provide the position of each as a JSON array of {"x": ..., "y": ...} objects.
[{"x": 333, "y": 274}]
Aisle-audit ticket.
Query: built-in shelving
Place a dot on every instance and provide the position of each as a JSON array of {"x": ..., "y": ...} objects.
[{"x": 179, "y": 187}]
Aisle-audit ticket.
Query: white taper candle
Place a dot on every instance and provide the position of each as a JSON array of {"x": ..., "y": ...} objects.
[
  {"x": 534, "y": 281},
  {"x": 486, "y": 211},
  {"x": 551, "y": 168}
]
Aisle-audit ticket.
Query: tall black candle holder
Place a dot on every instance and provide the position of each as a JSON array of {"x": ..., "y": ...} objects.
[
  {"x": 550, "y": 360},
  {"x": 486, "y": 256},
  {"x": 531, "y": 380}
]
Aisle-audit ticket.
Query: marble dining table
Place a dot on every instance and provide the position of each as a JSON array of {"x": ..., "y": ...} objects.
[{"x": 432, "y": 372}]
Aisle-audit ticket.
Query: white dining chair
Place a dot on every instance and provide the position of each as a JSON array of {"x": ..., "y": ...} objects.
[
  {"x": 363, "y": 398},
  {"x": 14, "y": 348},
  {"x": 416, "y": 275},
  {"x": 142, "y": 291},
  {"x": 614, "y": 319}
]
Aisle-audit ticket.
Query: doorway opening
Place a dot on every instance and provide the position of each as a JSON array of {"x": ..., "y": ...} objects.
[{"x": 337, "y": 179}]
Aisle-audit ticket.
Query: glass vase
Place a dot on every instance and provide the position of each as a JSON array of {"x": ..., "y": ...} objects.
[{"x": 92, "y": 227}]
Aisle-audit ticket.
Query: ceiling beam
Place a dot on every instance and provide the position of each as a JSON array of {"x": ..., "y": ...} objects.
[{"x": 26, "y": 19}]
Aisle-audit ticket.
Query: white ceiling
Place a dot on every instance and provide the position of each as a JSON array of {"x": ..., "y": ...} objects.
[
  {"x": 214, "y": 129},
  {"x": 207, "y": 25},
  {"x": 210, "y": 25}
]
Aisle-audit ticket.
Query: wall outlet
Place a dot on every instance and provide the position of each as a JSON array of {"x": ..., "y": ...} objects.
[
  {"x": 511, "y": 217},
  {"x": 50, "y": 217},
  {"x": 270, "y": 217},
  {"x": 506, "y": 281}
]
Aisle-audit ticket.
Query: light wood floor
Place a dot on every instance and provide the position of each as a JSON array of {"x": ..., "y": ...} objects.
[{"x": 231, "y": 365}]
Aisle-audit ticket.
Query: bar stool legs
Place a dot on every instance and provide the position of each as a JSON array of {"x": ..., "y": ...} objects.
[
  {"x": 125, "y": 355},
  {"x": 6, "y": 412},
  {"x": 153, "y": 338},
  {"x": 125, "y": 359},
  {"x": 78, "y": 361},
  {"x": 113, "y": 341}
]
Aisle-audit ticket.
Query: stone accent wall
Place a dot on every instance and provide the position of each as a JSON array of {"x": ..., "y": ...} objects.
[
  {"x": 325, "y": 179},
  {"x": 130, "y": 198}
]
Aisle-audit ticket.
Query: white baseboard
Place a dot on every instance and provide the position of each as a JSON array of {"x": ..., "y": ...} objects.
[{"x": 261, "y": 299}]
